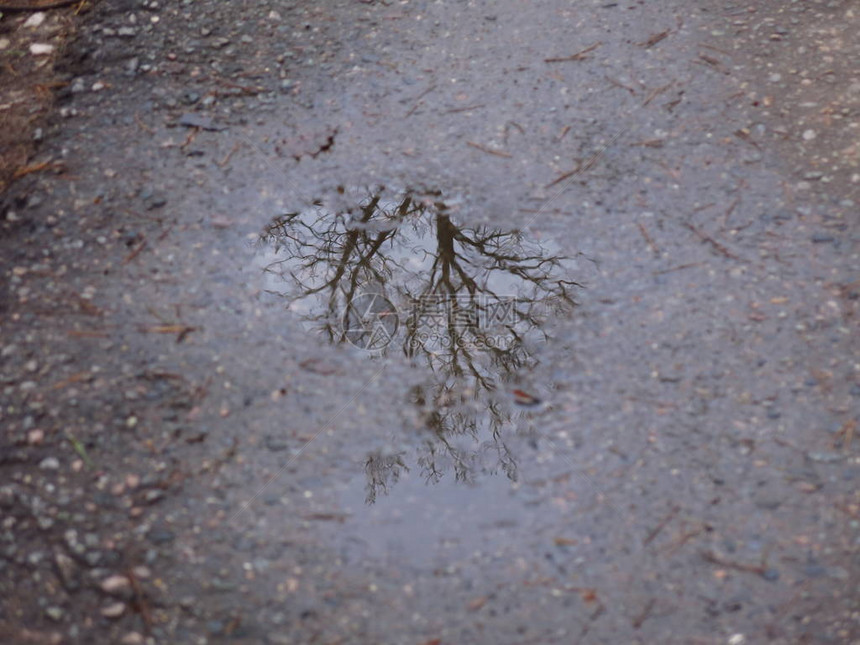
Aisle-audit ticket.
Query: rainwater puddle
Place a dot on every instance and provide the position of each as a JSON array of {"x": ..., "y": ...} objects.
[
  {"x": 403, "y": 279},
  {"x": 430, "y": 527}
]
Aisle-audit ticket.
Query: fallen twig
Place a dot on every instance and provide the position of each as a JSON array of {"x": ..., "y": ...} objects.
[
  {"x": 166, "y": 232},
  {"x": 713, "y": 62},
  {"x": 656, "y": 530},
  {"x": 653, "y": 94},
  {"x": 245, "y": 89},
  {"x": 233, "y": 150},
  {"x": 707, "y": 238},
  {"x": 685, "y": 537},
  {"x": 643, "y": 615},
  {"x": 713, "y": 558},
  {"x": 190, "y": 138},
  {"x": 656, "y": 38},
  {"x": 512, "y": 125},
  {"x": 648, "y": 239},
  {"x": 137, "y": 250},
  {"x": 182, "y": 330},
  {"x": 581, "y": 55},
  {"x": 618, "y": 83},
  {"x": 142, "y": 125},
  {"x": 579, "y": 169},
  {"x": 491, "y": 151},
  {"x": 87, "y": 333},
  {"x": 139, "y": 601},
  {"x": 74, "y": 378},
  {"x": 729, "y": 211},
  {"x": 649, "y": 143},
  {"x": 677, "y": 268},
  {"x": 566, "y": 175},
  {"x": 327, "y": 517},
  {"x": 36, "y": 167},
  {"x": 466, "y": 108},
  {"x": 417, "y": 102},
  {"x": 744, "y": 135},
  {"x": 164, "y": 329}
]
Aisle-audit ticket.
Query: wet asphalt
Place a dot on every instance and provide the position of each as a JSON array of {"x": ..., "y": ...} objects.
[{"x": 431, "y": 323}]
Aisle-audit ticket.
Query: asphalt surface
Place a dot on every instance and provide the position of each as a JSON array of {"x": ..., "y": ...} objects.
[{"x": 646, "y": 433}]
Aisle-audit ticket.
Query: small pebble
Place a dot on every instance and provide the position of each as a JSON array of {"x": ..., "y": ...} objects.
[
  {"x": 115, "y": 585},
  {"x": 113, "y": 610},
  {"x": 35, "y": 20},
  {"x": 49, "y": 463},
  {"x": 41, "y": 49},
  {"x": 142, "y": 572},
  {"x": 153, "y": 496}
]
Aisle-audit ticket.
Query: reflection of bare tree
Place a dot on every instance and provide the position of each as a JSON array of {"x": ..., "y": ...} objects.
[
  {"x": 382, "y": 471},
  {"x": 469, "y": 299},
  {"x": 333, "y": 258}
]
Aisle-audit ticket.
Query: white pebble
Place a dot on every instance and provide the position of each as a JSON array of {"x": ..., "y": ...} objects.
[
  {"x": 49, "y": 463},
  {"x": 115, "y": 584},
  {"x": 35, "y": 20},
  {"x": 41, "y": 49},
  {"x": 114, "y": 610}
]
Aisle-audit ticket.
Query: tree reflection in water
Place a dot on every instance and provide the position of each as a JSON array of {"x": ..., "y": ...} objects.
[{"x": 397, "y": 273}]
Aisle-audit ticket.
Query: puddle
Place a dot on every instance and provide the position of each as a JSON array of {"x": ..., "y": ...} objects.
[
  {"x": 432, "y": 527},
  {"x": 401, "y": 277}
]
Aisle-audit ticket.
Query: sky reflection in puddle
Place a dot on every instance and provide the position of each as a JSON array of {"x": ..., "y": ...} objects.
[{"x": 397, "y": 275}]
